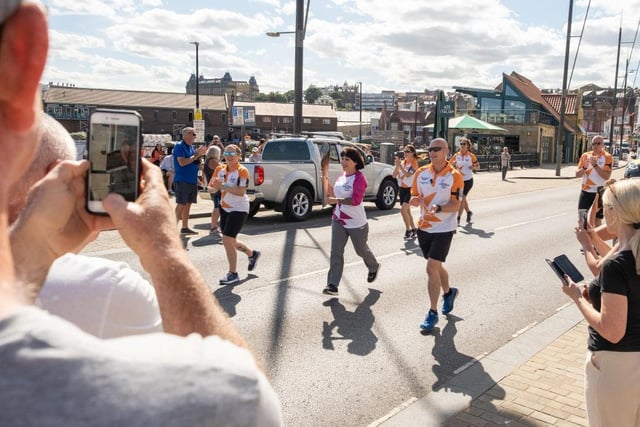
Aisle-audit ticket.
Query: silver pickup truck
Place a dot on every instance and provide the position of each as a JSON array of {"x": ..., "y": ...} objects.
[{"x": 290, "y": 175}]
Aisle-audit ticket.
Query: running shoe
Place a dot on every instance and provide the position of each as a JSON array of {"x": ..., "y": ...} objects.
[
  {"x": 469, "y": 215},
  {"x": 414, "y": 233},
  {"x": 187, "y": 230},
  {"x": 372, "y": 275},
  {"x": 253, "y": 260},
  {"x": 229, "y": 279},
  {"x": 430, "y": 321},
  {"x": 448, "y": 300},
  {"x": 407, "y": 234},
  {"x": 330, "y": 290}
]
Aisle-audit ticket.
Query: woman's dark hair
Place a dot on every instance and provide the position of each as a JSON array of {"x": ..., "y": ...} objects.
[
  {"x": 354, "y": 155},
  {"x": 411, "y": 148}
]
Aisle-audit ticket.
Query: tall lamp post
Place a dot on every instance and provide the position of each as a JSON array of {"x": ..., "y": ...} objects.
[
  {"x": 197, "y": 77},
  {"x": 360, "y": 105},
  {"x": 301, "y": 28}
]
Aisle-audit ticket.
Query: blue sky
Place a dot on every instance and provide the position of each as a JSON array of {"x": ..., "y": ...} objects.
[{"x": 404, "y": 45}]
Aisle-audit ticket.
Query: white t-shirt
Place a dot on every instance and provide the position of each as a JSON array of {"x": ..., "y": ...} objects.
[
  {"x": 350, "y": 187},
  {"x": 104, "y": 298},
  {"x": 54, "y": 374}
]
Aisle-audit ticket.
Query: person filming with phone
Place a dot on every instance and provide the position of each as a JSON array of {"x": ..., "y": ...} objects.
[{"x": 611, "y": 306}]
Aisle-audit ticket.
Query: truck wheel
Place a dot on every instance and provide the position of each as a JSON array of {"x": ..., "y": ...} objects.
[
  {"x": 387, "y": 195},
  {"x": 298, "y": 205},
  {"x": 254, "y": 207}
]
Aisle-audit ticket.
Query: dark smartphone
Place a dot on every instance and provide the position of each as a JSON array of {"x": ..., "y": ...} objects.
[
  {"x": 582, "y": 213},
  {"x": 113, "y": 144},
  {"x": 600, "y": 193},
  {"x": 399, "y": 154},
  {"x": 562, "y": 265}
]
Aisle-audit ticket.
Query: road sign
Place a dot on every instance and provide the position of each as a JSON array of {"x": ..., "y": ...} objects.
[
  {"x": 237, "y": 115},
  {"x": 198, "y": 126},
  {"x": 197, "y": 114},
  {"x": 243, "y": 116}
]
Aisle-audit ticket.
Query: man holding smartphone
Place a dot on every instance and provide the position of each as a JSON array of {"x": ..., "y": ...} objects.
[
  {"x": 595, "y": 169},
  {"x": 186, "y": 162}
]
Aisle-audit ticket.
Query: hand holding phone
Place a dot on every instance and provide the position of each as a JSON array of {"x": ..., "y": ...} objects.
[
  {"x": 562, "y": 265},
  {"x": 114, "y": 156}
]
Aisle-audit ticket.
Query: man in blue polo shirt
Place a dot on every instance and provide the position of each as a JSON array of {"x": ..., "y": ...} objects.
[{"x": 186, "y": 162}]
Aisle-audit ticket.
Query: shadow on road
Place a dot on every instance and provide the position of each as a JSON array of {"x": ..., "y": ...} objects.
[
  {"x": 355, "y": 326},
  {"x": 448, "y": 359},
  {"x": 229, "y": 300},
  {"x": 470, "y": 230}
]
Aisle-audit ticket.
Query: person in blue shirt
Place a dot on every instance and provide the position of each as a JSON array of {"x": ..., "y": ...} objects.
[{"x": 186, "y": 162}]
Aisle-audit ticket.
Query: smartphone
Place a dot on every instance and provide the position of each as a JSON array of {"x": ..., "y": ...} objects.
[
  {"x": 113, "y": 144},
  {"x": 562, "y": 265},
  {"x": 582, "y": 214}
]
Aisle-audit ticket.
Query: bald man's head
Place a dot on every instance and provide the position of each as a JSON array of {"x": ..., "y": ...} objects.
[{"x": 55, "y": 144}]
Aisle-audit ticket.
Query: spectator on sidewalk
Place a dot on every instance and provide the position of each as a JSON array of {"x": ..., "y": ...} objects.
[
  {"x": 594, "y": 167},
  {"x": 157, "y": 154},
  {"x": 166, "y": 166},
  {"x": 403, "y": 173},
  {"x": 505, "y": 161},
  {"x": 611, "y": 306},
  {"x": 231, "y": 179},
  {"x": 104, "y": 298},
  {"x": 466, "y": 162},
  {"x": 436, "y": 189},
  {"x": 186, "y": 163},
  {"x": 200, "y": 373}
]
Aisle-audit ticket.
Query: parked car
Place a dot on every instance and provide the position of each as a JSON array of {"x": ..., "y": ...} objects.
[{"x": 290, "y": 172}]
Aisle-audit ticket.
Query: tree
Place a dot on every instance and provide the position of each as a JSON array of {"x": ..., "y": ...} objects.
[{"x": 312, "y": 94}]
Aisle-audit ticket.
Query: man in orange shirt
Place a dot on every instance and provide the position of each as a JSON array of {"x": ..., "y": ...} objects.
[
  {"x": 595, "y": 169},
  {"x": 436, "y": 189}
]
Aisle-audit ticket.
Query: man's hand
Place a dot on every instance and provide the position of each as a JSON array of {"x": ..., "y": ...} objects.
[
  {"x": 53, "y": 222},
  {"x": 147, "y": 226}
]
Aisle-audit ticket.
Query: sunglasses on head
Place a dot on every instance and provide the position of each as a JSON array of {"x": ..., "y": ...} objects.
[
  {"x": 596, "y": 143},
  {"x": 436, "y": 149},
  {"x": 408, "y": 151},
  {"x": 229, "y": 153}
]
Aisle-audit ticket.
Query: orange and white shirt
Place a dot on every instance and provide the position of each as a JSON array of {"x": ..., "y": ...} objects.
[
  {"x": 410, "y": 168},
  {"x": 234, "y": 179},
  {"x": 439, "y": 189},
  {"x": 465, "y": 163},
  {"x": 591, "y": 179}
]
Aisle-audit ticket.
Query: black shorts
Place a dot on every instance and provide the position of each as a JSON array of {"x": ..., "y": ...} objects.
[
  {"x": 231, "y": 222},
  {"x": 435, "y": 245},
  {"x": 468, "y": 184},
  {"x": 404, "y": 194},
  {"x": 586, "y": 200},
  {"x": 185, "y": 192}
]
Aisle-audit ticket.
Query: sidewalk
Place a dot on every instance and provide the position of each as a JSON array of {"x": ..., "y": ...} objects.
[{"x": 536, "y": 379}]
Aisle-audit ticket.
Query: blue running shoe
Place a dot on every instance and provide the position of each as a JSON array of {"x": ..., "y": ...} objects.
[
  {"x": 430, "y": 321},
  {"x": 447, "y": 303}
]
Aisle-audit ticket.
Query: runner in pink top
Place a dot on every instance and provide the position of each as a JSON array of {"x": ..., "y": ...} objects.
[{"x": 349, "y": 219}]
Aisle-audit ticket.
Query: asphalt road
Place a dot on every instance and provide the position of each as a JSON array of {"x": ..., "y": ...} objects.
[{"x": 351, "y": 360}]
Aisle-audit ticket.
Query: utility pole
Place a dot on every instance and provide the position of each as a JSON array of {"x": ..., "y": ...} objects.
[
  {"x": 297, "y": 104},
  {"x": 563, "y": 103},
  {"x": 197, "y": 77},
  {"x": 360, "y": 102},
  {"x": 614, "y": 102}
]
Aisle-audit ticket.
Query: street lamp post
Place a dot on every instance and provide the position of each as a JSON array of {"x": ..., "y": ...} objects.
[
  {"x": 197, "y": 77},
  {"x": 301, "y": 28},
  {"x": 360, "y": 105}
]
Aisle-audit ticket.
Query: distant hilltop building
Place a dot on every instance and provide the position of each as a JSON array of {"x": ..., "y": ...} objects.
[{"x": 241, "y": 90}]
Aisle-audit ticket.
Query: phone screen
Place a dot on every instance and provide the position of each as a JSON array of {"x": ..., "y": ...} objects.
[
  {"x": 583, "y": 218},
  {"x": 114, "y": 155}
]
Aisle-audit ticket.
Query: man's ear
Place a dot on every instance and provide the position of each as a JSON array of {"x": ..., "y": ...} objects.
[{"x": 23, "y": 53}]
